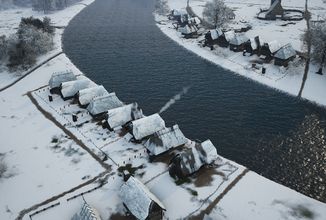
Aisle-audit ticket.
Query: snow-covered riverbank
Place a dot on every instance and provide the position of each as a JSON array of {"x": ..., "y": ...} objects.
[
  {"x": 284, "y": 79},
  {"x": 43, "y": 161}
]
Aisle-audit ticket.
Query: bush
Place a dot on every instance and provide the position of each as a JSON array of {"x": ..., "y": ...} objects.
[{"x": 34, "y": 37}]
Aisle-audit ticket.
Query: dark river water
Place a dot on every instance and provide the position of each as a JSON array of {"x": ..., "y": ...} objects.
[{"x": 116, "y": 43}]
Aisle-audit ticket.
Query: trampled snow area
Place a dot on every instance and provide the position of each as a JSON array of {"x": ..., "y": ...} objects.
[
  {"x": 43, "y": 151},
  {"x": 284, "y": 79}
]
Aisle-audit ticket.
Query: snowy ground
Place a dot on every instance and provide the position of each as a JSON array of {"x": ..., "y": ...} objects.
[
  {"x": 284, "y": 79},
  {"x": 43, "y": 162}
]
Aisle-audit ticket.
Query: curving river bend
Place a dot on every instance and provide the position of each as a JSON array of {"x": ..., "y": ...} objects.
[{"x": 116, "y": 43}]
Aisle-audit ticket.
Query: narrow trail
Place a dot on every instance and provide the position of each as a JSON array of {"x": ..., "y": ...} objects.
[
  {"x": 67, "y": 132},
  {"x": 53, "y": 198},
  {"x": 213, "y": 204},
  {"x": 31, "y": 71}
]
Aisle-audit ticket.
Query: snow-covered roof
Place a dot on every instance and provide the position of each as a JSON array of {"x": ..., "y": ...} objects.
[
  {"x": 275, "y": 3},
  {"x": 188, "y": 29},
  {"x": 274, "y": 46},
  {"x": 104, "y": 103},
  {"x": 195, "y": 20},
  {"x": 238, "y": 39},
  {"x": 147, "y": 126},
  {"x": 196, "y": 156},
  {"x": 178, "y": 12},
  {"x": 60, "y": 77},
  {"x": 285, "y": 52},
  {"x": 138, "y": 198},
  {"x": 229, "y": 35},
  {"x": 216, "y": 33},
  {"x": 71, "y": 88},
  {"x": 122, "y": 115},
  {"x": 87, "y": 213},
  {"x": 208, "y": 152},
  {"x": 165, "y": 139},
  {"x": 85, "y": 96}
]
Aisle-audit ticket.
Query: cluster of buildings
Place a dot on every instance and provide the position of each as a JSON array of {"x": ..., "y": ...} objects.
[
  {"x": 150, "y": 131},
  {"x": 236, "y": 40}
]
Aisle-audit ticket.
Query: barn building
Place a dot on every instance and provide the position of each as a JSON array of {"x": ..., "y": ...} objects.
[
  {"x": 85, "y": 96},
  {"x": 100, "y": 105},
  {"x": 60, "y": 77},
  {"x": 71, "y": 88},
  {"x": 284, "y": 55}
]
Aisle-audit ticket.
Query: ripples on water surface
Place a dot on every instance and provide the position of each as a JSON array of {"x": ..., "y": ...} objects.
[{"x": 116, "y": 43}]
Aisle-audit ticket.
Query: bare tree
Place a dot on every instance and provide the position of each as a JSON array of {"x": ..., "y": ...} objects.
[
  {"x": 318, "y": 45},
  {"x": 307, "y": 41},
  {"x": 217, "y": 13}
]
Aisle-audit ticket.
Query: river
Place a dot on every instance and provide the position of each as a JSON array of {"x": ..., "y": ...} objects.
[{"x": 117, "y": 44}]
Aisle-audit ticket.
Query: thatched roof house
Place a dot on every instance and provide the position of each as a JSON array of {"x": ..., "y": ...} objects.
[
  {"x": 102, "y": 104},
  {"x": 216, "y": 36},
  {"x": 87, "y": 213},
  {"x": 139, "y": 201},
  {"x": 120, "y": 116},
  {"x": 165, "y": 139},
  {"x": 253, "y": 45},
  {"x": 284, "y": 55},
  {"x": 188, "y": 30},
  {"x": 237, "y": 43},
  {"x": 71, "y": 88},
  {"x": 146, "y": 126},
  {"x": 85, "y": 96},
  {"x": 269, "y": 49},
  {"x": 59, "y": 77},
  {"x": 192, "y": 159}
]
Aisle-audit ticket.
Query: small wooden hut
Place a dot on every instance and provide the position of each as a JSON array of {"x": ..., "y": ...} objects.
[
  {"x": 284, "y": 55},
  {"x": 146, "y": 126},
  {"x": 164, "y": 140},
  {"x": 85, "y": 96},
  {"x": 192, "y": 159},
  {"x": 100, "y": 105},
  {"x": 59, "y": 77},
  {"x": 121, "y": 116},
  {"x": 238, "y": 42},
  {"x": 139, "y": 201},
  {"x": 71, "y": 88}
]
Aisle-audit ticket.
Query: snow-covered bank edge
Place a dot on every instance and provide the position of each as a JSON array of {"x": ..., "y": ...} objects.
[{"x": 288, "y": 83}]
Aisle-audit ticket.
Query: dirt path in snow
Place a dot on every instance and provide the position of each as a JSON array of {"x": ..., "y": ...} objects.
[
  {"x": 67, "y": 132},
  {"x": 54, "y": 198},
  {"x": 30, "y": 71},
  {"x": 211, "y": 206}
]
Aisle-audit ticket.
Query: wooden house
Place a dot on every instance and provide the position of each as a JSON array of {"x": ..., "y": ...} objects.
[
  {"x": 71, "y": 88},
  {"x": 253, "y": 46},
  {"x": 164, "y": 140},
  {"x": 122, "y": 115},
  {"x": 85, "y": 96},
  {"x": 100, "y": 105},
  {"x": 214, "y": 36},
  {"x": 188, "y": 31},
  {"x": 139, "y": 201},
  {"x": 284, "y": 55},
  {"x": 275, "y": 10},
  {"x": 181, "y": 17},
  {"x": 268, "y": 50},
  {"x": 238, "y": 42},
  {"x": 60, "y": 77},
  {"x": 87, "y": 213},
  {"x": 145, "y": 126},
  {"x": 192, "y": 159}
]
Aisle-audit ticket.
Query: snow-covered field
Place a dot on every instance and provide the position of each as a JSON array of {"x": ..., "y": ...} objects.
[
  {"x": 284, "y": 79},
  {"x": 9, "y": 22},
  {"x": 43, "y": 161}
]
